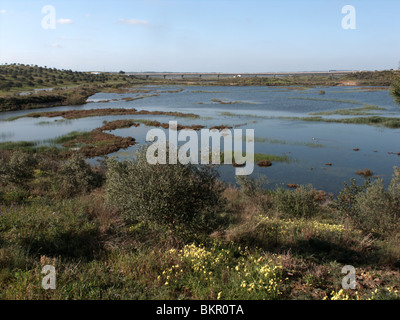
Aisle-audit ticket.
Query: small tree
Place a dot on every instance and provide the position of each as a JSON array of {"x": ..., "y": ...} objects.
[
  {"x": 167, "y": 196},
  {"x": 378, "y": 208},
  {"x": 299, "y": 203},
  {"x": 76, "y": 176}
]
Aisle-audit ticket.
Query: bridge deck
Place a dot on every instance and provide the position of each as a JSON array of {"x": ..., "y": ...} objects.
[{"x": 216, "y": 75}]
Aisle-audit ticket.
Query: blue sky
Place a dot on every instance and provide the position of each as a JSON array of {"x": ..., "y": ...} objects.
[{"x": 202, "y": 35}]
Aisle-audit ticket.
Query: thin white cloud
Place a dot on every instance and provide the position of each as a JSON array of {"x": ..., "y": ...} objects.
[
  {"x": 3, "y": 11},
  {"x": 133, "y": 21},
  {"x": 64, "y": 21},
  {"x": 56, "y": 45}
]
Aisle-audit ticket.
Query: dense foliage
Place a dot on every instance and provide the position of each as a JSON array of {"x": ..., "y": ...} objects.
[
  {"x": 396, "y": 89},
  {"x": 179, "y": 197}
]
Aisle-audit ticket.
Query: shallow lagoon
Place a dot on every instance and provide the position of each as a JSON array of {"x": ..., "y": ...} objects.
[{"x": 310, "y": 145}]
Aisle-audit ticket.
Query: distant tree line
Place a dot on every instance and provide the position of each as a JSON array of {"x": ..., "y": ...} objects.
[{"x": 19, "y": 76}]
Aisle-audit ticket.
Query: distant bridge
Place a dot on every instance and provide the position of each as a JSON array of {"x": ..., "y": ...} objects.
[{"x": 216, "y": 75}]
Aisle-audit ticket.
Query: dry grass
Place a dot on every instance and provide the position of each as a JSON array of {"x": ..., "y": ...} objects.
[{"x": 110, "y": 222}]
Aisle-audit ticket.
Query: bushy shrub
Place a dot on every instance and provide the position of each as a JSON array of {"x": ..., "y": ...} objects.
[
  {"x": 15, "y": 195},
  {"x": 76, "y": 177},
  {"x": 346, "y": 199},
  {"x": 178, "y": 197},
  {"x": 251, "y": 187},
  {"x": 18, "y": 169},
  {"x": 296, "y": 203},
  {"x": 372, "y": 207},
  {"x": 254, "y": 193},
  {"x": 377, "y": 209},
  {"x": 396, "y": 89},
  {"x": 374, "y": 210}
]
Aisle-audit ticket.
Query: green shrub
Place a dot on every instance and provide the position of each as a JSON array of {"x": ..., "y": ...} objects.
[
  {"x": 181, "y": 198},
  {"x": 77, "y": 177},
  {"x": 347, "y": 197},
  {"x": 253, "y": 191},
  {"x": 372, "y": 207},
  {"x": 15, "y": 195},
  {"x": 396, "y": 90},
  {"x": 296, "y": 203},
  {"x": 378, "y": 208},
  {"x": 251, "y": 187},
  {"x": 18, "y": 170}
]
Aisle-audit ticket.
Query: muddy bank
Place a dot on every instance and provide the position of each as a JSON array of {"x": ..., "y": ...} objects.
[
  {"x": 55, "y": 98},
  {"x": 77, "y": 114},
  {"x": 118, "y": 124},
  {"x": 98, "y": 143}
]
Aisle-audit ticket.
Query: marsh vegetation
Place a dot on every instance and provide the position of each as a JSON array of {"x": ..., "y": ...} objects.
[
  {"x": 103, "y": 230},
  {"x": 130, "y": 230}
]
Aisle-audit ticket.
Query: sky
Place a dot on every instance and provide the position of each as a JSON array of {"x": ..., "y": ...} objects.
[{"x": 201, "y": 35}]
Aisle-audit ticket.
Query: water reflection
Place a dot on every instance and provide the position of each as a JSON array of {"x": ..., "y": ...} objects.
[{"x": 257, "y": 108}]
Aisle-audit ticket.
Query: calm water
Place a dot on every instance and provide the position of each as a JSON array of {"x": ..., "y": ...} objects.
[{"x": 254, "y": 108}]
